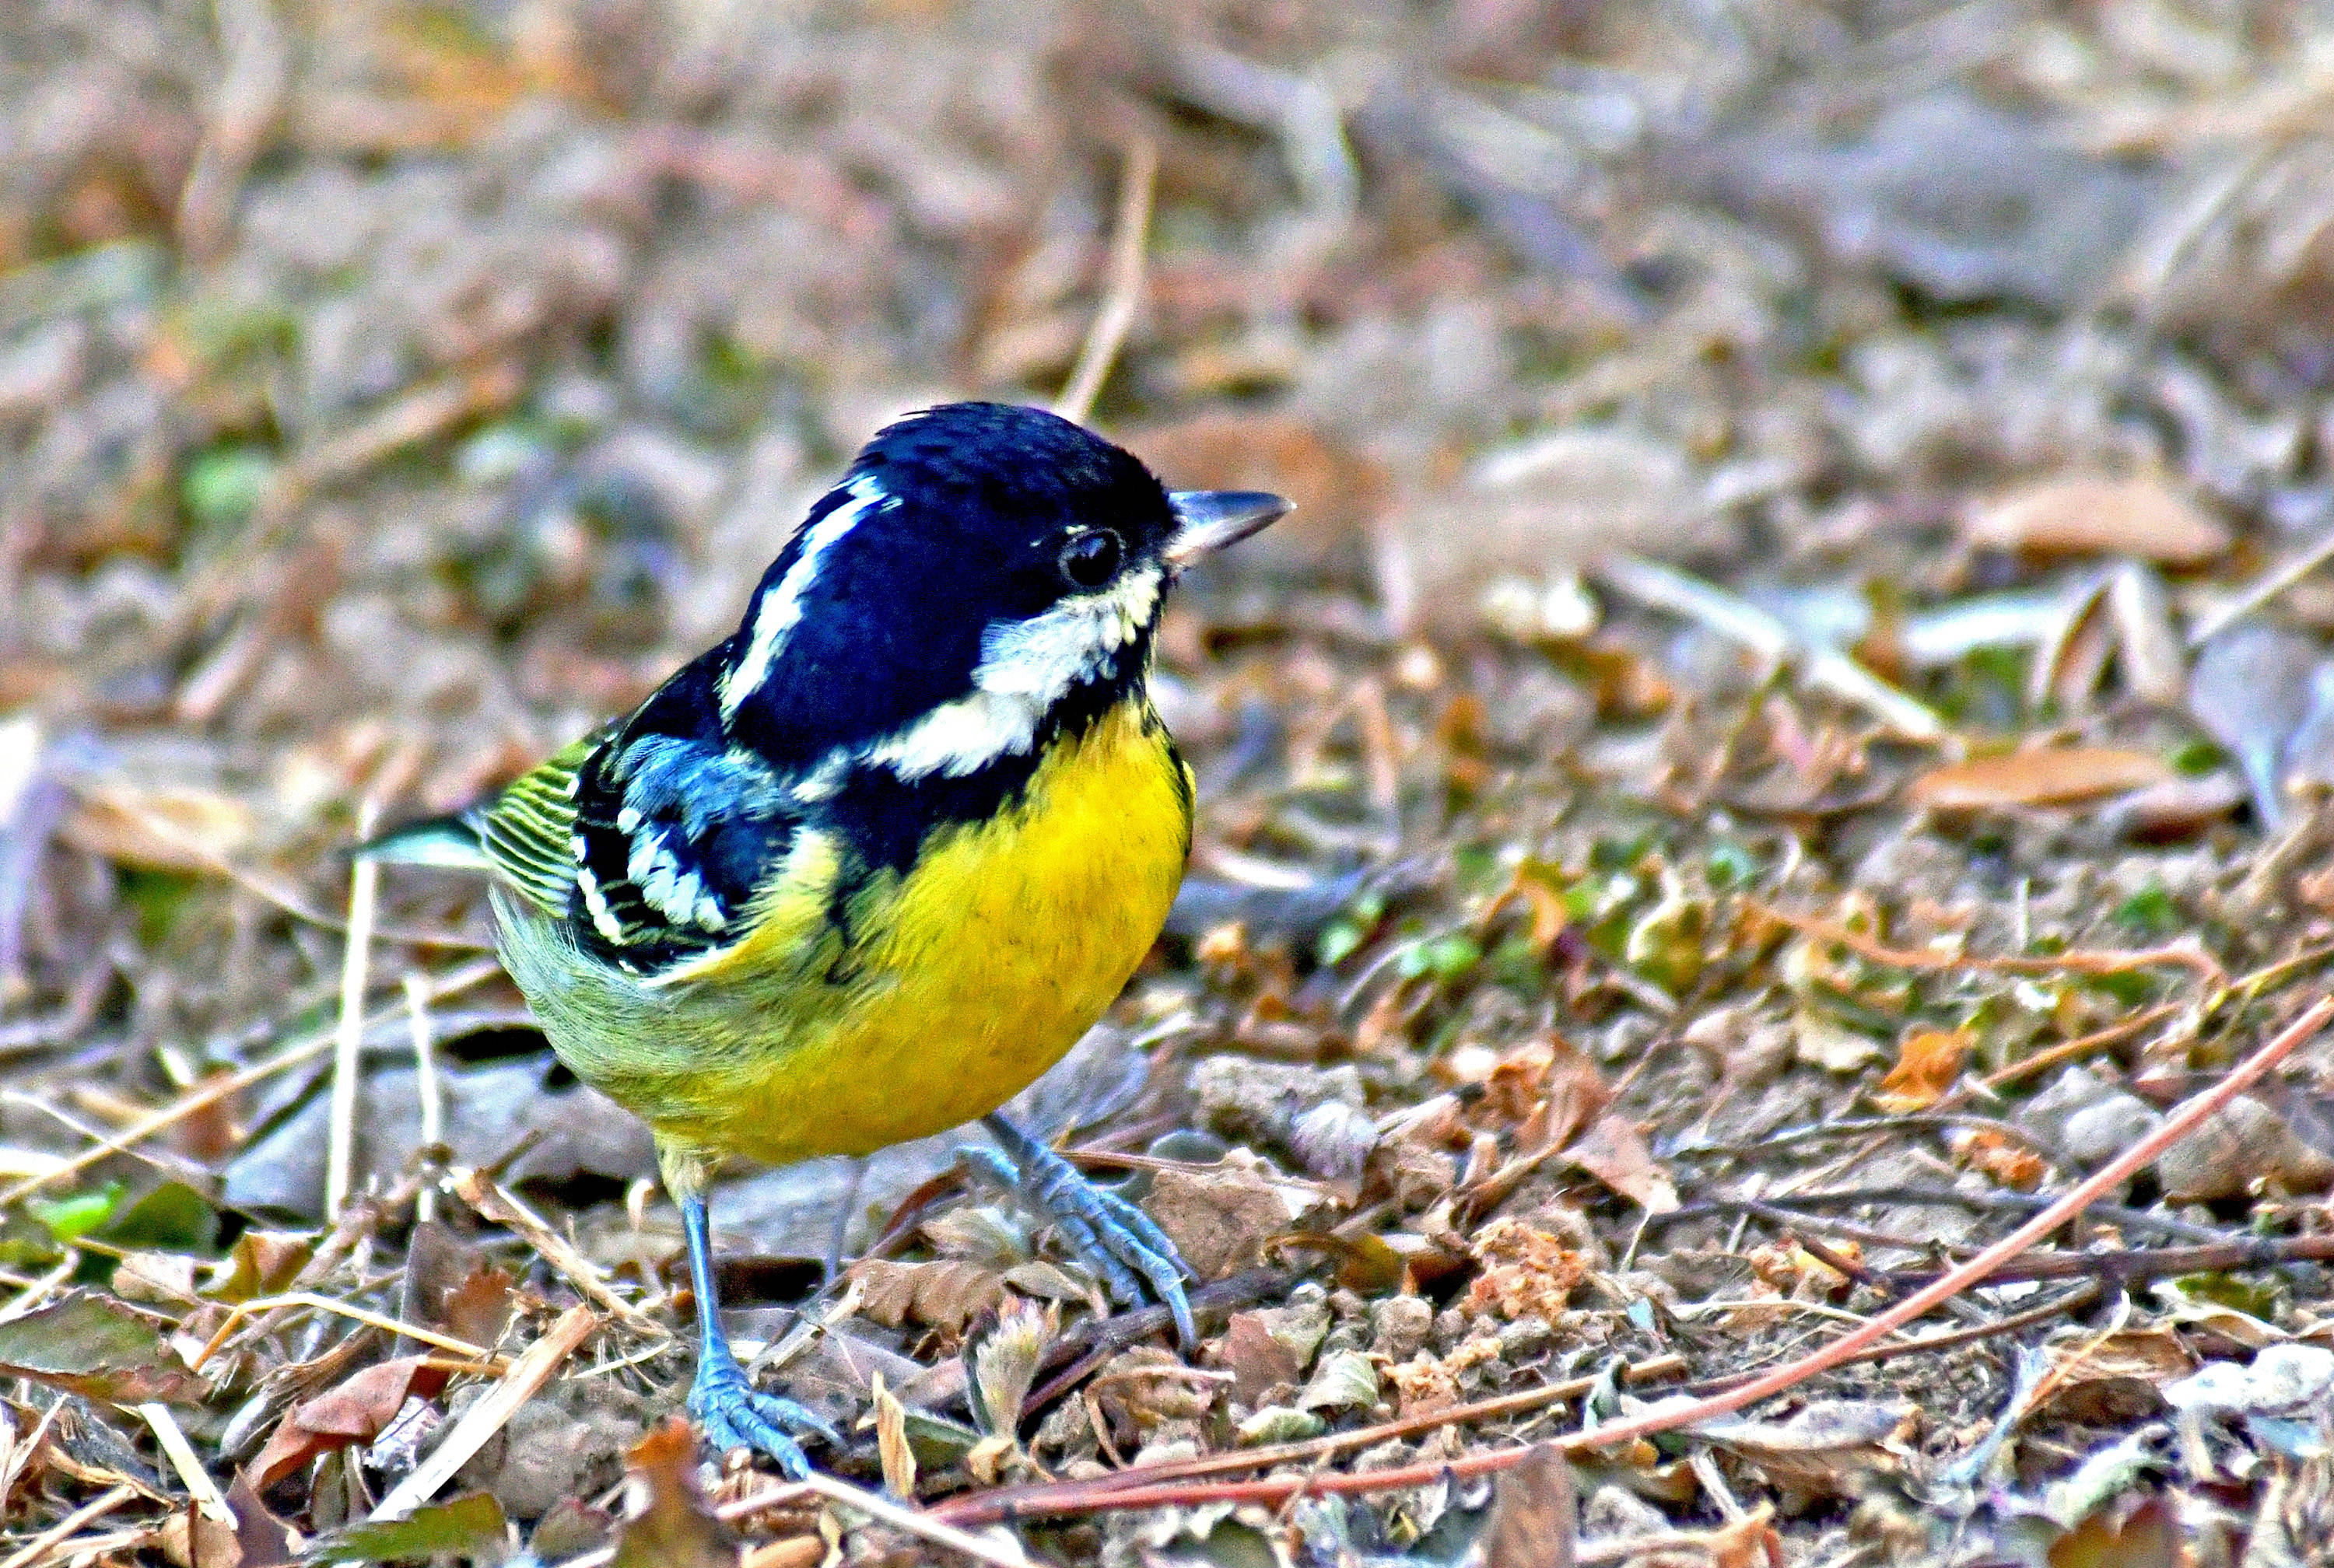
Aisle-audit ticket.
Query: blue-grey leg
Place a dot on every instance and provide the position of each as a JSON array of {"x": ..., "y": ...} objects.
[
  {"x": 1109, "y": 1235},
  {"x": 726, "y": 1405}
]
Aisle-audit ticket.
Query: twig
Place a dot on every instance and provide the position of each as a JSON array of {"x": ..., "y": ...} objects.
[
  {"x": 1944, "y": 1339},
  {"x": 482, "y": 1420},
  {"x": 1857, "y": 1198},
  {"x": 985, "y": 1507},
  {"x": 425, "y": 1084},
  {"x": 1123, "y": 292},
  {"x": 348, "y": 1044},
  {"x": 2069, "y": 1051},
  {"x": 187, "y": 1463},
  {"x": 210, "y": 1094},
  {"x": 2125, "y": 1265},
  {"x": 495, "y": 1203},
  {"x": 37, "y": 1548},
  {"x": 2185, "y": 954},
  {"x": 2262, "y": 589}
]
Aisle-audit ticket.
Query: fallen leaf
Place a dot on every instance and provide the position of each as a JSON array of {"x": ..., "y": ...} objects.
[
  {"x": 1614, "y": 1152},
  {"x": 167, "y": 828},
  {"x": 355, "y": 1411},
  {"x": 1219, "y": 1219},
  {"x": 945, "y": 1293},
  {"x": 1005, "y": 1362},
  {"x": 2092, "y": 516},
  {"x": 1257, "y": 1360},
  {"x": 2147, "y": 1537},
  {"x": 1531, "y": 1523},
  {"x": 469, "y": 1527},
  {"x": 2006, "y": 1160},
  {"x": 88, "y": 1345},
  {"x": 671, "y": 1526},
  {"x": 2043, "y": 775},
  {"x": 1927, "y": 1063}
]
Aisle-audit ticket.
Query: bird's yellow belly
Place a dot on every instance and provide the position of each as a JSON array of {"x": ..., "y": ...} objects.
[{"x": 964, "y": 981}]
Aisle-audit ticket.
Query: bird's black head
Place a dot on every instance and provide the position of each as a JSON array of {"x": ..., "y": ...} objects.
[{"x": 979, "y": 565}]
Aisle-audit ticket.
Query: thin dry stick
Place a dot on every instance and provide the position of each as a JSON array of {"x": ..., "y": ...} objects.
[
  {"x": 187, "y": 1463},
  {"x": 425, "y": 1083},
  {"x": 867, "y": 1505},
  {"x": 482, "y": 1420},
  {"x": 2183, "y": 955},
  {"x": 1123, "y": 292},
  {"x": 494, "y": 1203},
  {"x": 483, "y": 1358},
  {"x": 210, "y": 1094},
  {"x": 348, "y": 1044},
  {"x": 37, "y": 1549},
  {"x": 2113, "y": 1034},
  {"x": 1018, "y": 1503}
]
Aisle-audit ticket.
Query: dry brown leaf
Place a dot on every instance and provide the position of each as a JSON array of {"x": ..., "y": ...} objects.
[
  {"x": 2046, "y": 776},
  {"x": 1927, "y": 1063},
  {"x": 1531, "y": 1523},
  {"x": 2091, "y": 515},
  {"x": 2102, "y": 1379},
  {"x": 168, "y": 828},
  {"x": 1257, "y": 1359},
  {"x": 353, "y": 1412},
  {"x": 671, "y": 1526},
  {"x": 1614, "y": 1152},
  {"x": 1219, "y": 1219},
  {"x": 945, "y": 1293},
  {"x": 2007, "y": 1162}
]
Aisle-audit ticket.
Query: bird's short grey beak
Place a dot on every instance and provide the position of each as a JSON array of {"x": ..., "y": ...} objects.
[{"x": 1213, "y": 519}]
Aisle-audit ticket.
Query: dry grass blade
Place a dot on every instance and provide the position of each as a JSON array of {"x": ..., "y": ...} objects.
[
  {"x": 1123, "y": 295},
  {"x": 37, "y": 1549},
  {"x": 493, "y": 1203},
  {"x": 522, "y": 1380},
  {"x": 482, "y": 1358},
  {"x": 219, "y": 1090},
  {"x": 347, "y": 1040},
  {"x": 189, "y": 1465}
]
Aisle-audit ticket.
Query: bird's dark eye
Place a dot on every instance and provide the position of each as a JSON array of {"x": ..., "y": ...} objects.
[{"x": 1091, "y": 560}]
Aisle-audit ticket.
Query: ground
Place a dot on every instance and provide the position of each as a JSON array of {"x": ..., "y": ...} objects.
[{"x": 1784, "y": 735}]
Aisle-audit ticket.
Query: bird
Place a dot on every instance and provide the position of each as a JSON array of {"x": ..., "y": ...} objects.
[{"x": 869, "y": 865}]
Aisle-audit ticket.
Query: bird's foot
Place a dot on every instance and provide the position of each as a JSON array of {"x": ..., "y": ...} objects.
[
  {"x": 735, "y": 1415},
  {"x": 1105, "y": 1232}
]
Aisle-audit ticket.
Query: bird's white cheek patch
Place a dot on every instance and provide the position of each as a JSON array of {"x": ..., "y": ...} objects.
[
  {"x": 781, "y": 605},
  {"x": 1025, "y": 667}
]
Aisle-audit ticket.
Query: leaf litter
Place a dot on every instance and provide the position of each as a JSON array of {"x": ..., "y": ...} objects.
[{"x": 1790, "y": 728}]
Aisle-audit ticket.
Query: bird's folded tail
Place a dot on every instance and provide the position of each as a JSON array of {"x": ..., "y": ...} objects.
[{"x": 450, "y": 841}]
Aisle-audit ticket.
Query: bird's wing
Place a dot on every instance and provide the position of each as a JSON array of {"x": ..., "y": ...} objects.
[
  {"x": 527, "y": 832},
  {"x": 655, "y": 841}
]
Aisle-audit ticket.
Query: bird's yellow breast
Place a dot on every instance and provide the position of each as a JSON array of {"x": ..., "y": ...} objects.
[{"x": 960, "y": 982}]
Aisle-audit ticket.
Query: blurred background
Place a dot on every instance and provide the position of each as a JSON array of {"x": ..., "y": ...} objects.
[{"x": 1719, "y": 428}]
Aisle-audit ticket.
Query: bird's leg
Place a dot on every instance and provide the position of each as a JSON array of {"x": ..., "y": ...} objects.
[
  {"x": 724, "y": 1402},
  {"x": 843, "y": 1213},
  {"x": 1109, "y": 1235}
]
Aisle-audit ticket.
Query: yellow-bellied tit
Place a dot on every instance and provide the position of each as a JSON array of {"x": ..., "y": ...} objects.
[{"x": 864, "y": 868}]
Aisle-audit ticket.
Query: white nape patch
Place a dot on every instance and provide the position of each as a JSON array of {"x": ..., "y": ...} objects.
[
  {"x": 679, "y": 896},
  {"x": 1025, "y": 667},
  {"x": 780, "y": 606}
]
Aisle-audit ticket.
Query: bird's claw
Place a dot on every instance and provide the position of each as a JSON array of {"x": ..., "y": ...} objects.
[
  {"x": 1109, "y": 1235},
  {"x": 735, "y": 1415}
]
